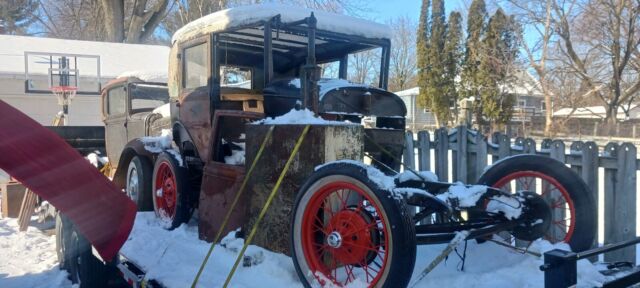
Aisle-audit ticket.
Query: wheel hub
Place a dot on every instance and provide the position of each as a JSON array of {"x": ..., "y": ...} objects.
[
  {"x": 536, "y": 216},
  {"x": 334, "y": 240},
  {"x": 350, "y": 237}
]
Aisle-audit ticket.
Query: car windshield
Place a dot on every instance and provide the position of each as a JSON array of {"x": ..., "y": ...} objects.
[{"x": 148, "y": 96}]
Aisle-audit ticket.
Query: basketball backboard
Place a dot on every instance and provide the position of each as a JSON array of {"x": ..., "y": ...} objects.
[{"x": 44, "y": 70}]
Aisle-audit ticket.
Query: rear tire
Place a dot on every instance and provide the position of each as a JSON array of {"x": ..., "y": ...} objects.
[
  {"x": 572, "y": 195},
  {"x": 171, "y": 191},
  {"x": 369, "y": 232},
  {"x": 63, "y": 229},
  {"x": 138, "y": 182}
]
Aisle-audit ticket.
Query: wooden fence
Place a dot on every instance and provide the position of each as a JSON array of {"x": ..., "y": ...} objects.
[{"x": 470, "y": 152}]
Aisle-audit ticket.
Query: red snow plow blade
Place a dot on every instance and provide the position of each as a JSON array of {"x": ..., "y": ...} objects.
[{"x": 55, "y": 171}]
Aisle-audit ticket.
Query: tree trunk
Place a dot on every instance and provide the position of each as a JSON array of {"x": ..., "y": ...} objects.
[
  {"x": 114, "y": 19},
  {"x": 548, "y": 119},
  {"x": 610, "y": 120}
]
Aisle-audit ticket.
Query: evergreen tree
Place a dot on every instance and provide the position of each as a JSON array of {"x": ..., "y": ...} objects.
[
  {"x": 16, "y": 15},
  {"x": 497, "y": 64},
  {"x": 453, "y": 53},
  {"x": 436, "y": 97},
  {"x": 471, "y": 64},
  {"x": 422, "y": 42}
]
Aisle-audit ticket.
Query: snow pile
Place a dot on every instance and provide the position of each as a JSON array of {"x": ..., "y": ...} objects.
[
  {"x": 252, "y": 14},
  {"x": 491, "y": 265},
  {"x": 164, "y": 110},
  {"x": 146, "y": 76},
  {"x": 97, "y": 160},
  {"x": 28, "y": 259},
  {"x": 410, "y": 176},
  {"x": 157, "y": 144},
  {"x": 328, "y": 84},
  {"x": 304, "y": 116},
  {"x": 463, "y": 195},
  {"x": 509, "y": 206},
  {"x": 237, "y": 155},
  {"x": 173, "y": 258},
  {"x": 376, "y": 176}
]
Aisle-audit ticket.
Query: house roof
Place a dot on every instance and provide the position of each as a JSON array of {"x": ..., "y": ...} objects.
[
  {"x": 408, "y": 92},
  {"x": 592, "y": 112},
  {"x": 250, "y": 14},
  {"x": 526, "y": 84},
  {"x": 115, "y": 58}
]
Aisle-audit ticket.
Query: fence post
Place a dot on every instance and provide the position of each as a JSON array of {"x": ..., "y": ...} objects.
[
  {"x": 442, "y": 154},
  {"x": 556, "y": 151},
  {"x": 481, "y": 157},
  {"x": 409, "y": 152},
  {"x": 560, "y": 269},
  {"x": 460, "y": 155},
  {"x": 576, "y": 149},
  {"x": 590, "y": 176},
  {"x": 424, "y": 151},
  {"x": 504, "y": 147},
  {"x": 620, "y": 202}
]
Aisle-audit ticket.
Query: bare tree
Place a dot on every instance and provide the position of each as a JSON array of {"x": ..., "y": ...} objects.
[
  {"x": 535, "y": 16},
  {"x": 145, "y": 17},
  {"x": 608, "y": 32},
  {"x": 131, "y": 21},
  {"x": 16, "y": 15},
  {"x": 185, "y": 11},
  {"x": 402, "y": 68},
  {"x": 70, "y": 19},
  {"x": 364, "y": 66}
]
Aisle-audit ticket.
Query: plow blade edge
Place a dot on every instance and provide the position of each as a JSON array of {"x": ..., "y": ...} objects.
[{"x": 55, "y": 171}]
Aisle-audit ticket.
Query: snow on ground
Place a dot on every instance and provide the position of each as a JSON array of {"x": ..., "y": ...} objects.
[
  {"x": 28, "y": 259},
  {"x": 173, "y": 257}
]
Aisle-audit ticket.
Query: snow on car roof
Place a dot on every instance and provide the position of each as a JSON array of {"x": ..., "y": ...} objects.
[{"x": 244, "y": 15}]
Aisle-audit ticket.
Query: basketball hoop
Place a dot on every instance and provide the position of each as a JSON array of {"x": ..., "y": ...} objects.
[{"x": 64, "y": 94}]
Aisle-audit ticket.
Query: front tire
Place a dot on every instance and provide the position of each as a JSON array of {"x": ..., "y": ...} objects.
[
  {"x": 345, "y": 227},
  {"x": 138, "y": 186},
  {"x": 170, "y": 191},
  {"x": 572, "y": 206}
]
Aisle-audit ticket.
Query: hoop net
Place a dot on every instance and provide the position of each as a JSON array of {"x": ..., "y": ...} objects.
[{"x": 64, "y": 93}]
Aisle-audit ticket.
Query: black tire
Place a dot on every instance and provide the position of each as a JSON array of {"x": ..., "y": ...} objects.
[
  {"x": 84, "y": 268},
  {"x": 390, "y": 212},
  {"x": 138, "y": 185},
  {"x": 584, "y": 226},
  {"x": 180, "y": 212},
  {"x": 63, "y": 229}
]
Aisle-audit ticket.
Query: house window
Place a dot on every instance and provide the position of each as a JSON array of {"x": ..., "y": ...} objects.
[
  {"x": 544, "y": 106},
  {"x": 195, "y": 67},
  {"x": 522, "y": 103}
]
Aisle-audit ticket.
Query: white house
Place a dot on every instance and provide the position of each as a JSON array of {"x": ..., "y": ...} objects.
[
  {"x": 28, "y": 63},
  {"x": 529, "y": 101},
  {"x": 597, "y": 112}
]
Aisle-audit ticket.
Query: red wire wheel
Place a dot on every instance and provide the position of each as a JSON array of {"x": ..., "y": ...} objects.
[
  {"x": 563, "y": 212},
  {"x": 170, "y": 188},
  {"x": 166, "y": 192},
  {"x": 345, "y": 232},
  {"x": 573, "y": 212}
]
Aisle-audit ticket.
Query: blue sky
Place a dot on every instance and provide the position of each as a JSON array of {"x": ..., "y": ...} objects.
[{"x": 382, "y": 10}]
